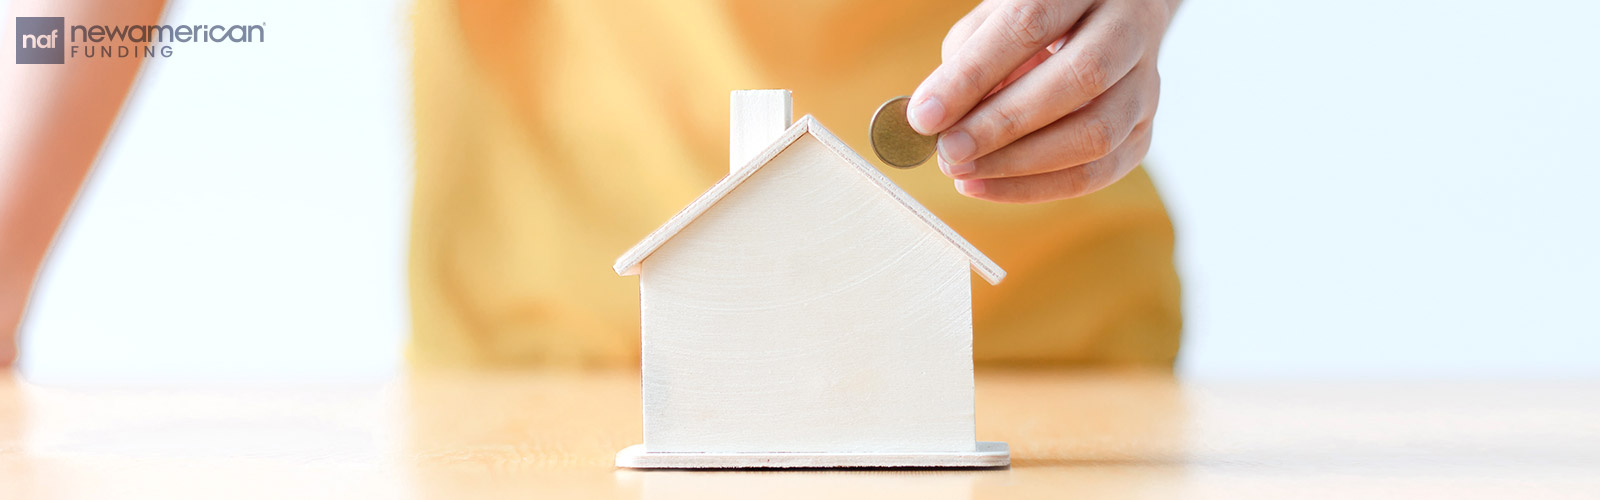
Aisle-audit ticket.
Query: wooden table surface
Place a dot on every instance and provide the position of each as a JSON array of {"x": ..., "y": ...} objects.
[{"x": 541, "y": 435}]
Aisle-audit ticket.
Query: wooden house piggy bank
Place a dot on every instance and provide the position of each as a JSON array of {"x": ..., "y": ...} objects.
[{"x": 805, "y": 312}]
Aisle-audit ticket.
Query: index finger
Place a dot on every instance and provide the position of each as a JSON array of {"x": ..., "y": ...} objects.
[{"x": 1013, "y": 32}]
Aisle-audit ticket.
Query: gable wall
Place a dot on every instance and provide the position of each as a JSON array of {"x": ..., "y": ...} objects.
[{"x": 807, "y": 311}]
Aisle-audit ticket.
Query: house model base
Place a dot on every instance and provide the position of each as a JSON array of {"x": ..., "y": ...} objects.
[{"x": 988, "y": 454}]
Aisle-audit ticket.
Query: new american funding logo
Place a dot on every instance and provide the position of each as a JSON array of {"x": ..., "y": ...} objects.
[{"x": 48, "y": 40}]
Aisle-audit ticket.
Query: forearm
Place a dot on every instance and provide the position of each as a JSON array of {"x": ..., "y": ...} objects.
[{"x": 57, "y": 117}]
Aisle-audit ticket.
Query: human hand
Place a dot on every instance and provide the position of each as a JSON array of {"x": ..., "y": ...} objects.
[{"x": 1041, "y": 100}]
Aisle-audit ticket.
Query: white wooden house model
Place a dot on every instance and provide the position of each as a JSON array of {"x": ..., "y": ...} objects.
[{"x": 805, "y": 312}]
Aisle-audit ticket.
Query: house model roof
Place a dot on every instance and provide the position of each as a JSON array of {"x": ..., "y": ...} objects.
[{"x": 628, "y": 264}]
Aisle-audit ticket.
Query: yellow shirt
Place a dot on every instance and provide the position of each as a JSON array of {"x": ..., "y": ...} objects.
[{"x": 552, "y": 135}]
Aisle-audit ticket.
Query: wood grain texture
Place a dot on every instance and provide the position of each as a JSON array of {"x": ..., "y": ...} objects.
[
  {"x": 554, "y": 435},
  {"x": 981, "y": 263},
  {"x": 756, "y": 119},
  {"x": 807, "y": 312},
  {"x": 804, "y": 305}
]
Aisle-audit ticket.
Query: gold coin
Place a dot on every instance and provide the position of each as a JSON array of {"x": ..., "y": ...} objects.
[{"x": 893, "y": 139}]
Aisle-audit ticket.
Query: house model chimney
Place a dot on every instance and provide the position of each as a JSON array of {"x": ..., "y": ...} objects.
[{"x": 756, "y": 118}]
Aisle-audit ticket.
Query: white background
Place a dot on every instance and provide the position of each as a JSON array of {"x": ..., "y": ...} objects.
[
  {"x": 1361, "y": 189},
  {"x": 248, "y": 218}
]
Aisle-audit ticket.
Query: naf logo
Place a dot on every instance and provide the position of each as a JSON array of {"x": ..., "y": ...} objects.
[{"x": 40, "y": 40}]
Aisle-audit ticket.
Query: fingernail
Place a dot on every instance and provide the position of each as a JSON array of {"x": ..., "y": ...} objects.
[
  {"x": 960, "y": 169},
  {"x": 926, "y": 114},
  {"x": 1056, "y": 46},
  {"x": 956, "y": 147},
  {"x": 956, "y": 170},
  {"x": 970, "y": 187}
]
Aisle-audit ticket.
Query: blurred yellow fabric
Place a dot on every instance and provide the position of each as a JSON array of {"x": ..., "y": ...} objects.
[{"x": 552, "y": 136}]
